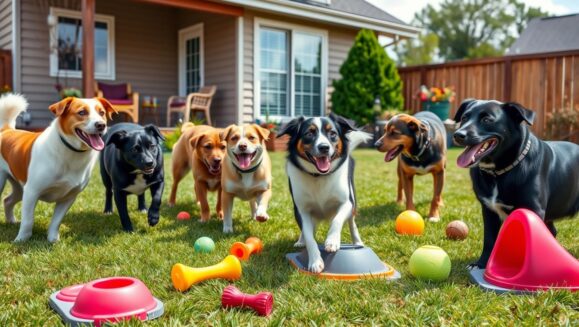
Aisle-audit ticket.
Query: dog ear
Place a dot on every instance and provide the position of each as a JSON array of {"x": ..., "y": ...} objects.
[
  {"x": 463, "y": 106},
  {"x": 61, "y": 107},
  {"x": 263, "y": 132},
  {"x": 518, "y": 112},
  {"x": 292, "y": 127},
  {"x": 422, "y": 128},
  {"x": 346, "y": 125},
  {"x": 108, "y": 107},
  {"x": 154, "y": 131},
  {"x": 194, "y": 141},
  {"x": 225, "y": 133},
  {"x": 118, "y": 138}
]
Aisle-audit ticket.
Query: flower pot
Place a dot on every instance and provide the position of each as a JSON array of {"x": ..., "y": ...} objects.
[
  {"x": 441, "y": 109},
  {"x": 274, "y": 144}
]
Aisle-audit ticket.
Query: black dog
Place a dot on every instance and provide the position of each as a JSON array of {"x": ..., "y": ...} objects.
[
  {"x": 132, "y": 162},
  {"x": 511, "y": 168}
]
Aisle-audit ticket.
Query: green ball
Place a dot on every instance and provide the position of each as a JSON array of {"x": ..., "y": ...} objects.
[
  {"x": 430, "y": 262},
  {"x": 204, "y": 245}
]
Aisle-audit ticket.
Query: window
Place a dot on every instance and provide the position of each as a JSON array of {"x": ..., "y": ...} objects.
[
  {"x": 66, "y": 45},
  {"x": 289, "y": 70}
]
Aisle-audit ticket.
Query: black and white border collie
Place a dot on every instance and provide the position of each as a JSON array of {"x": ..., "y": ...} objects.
[{"x": 320, "y": 169}]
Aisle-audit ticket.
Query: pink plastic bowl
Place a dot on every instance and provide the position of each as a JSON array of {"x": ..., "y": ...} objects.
[{"x": 113, "y": 299}]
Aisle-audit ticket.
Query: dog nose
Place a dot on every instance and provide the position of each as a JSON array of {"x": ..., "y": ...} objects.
[
  {"x": 459, "y": 136},
  {"x": 324, "y": 148},
  {"x": 378, "y": 144},
  {"x": 216, "y": 160},
  {"x": 100, "y": 126},
  {"x": 243, "y": 147},
  {"x": 149, "y": 163}
]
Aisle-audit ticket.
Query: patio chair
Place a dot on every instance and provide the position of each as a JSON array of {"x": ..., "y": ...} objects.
[
  {"x": 121, "y": 96},
  {"x": 197, "y": 101}
]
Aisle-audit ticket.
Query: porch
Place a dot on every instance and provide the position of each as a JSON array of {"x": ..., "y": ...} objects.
[{"x": 161, "y": 47}]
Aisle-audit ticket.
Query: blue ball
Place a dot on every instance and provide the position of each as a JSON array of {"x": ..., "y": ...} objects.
[{"x": 204, "y": 245}]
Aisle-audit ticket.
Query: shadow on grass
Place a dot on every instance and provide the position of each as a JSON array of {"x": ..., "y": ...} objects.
[{"x": 378, "y": 214}]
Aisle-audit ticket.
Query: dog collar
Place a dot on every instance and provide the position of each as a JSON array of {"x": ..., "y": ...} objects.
[
  {"x": 511, "y": 166},
  {"x": 241, "y": 171},
  {"x": 68, "y": 145},
  {"x": 421, "y": 152}
]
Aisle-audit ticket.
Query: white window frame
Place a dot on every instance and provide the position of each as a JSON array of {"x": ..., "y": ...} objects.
[
  {"x": 185, "y": 34},
  {"x": 292, "y": 28},
  {"x": 110, "y": 74}
]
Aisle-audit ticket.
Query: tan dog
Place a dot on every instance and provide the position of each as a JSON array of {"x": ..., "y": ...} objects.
[
  {"x": 200, "y": 149},
  {"x": 246, "y": 172},
  {"x": 52, "y": 166}
]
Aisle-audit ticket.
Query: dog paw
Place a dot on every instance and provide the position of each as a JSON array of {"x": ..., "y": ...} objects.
[
  {"x": 332, "y": 244},
  {"x": 261, "y": 215},
  {"x": 22, "y": 238},
  {"x": 203, "y": 221},
  {"x": 220, "y": 215},
  {"x": 358, "y": 243},
  {"x": 10, "y": 220},
  {"x": 300, "y": 243},
  {"x": 171, "y": 204},
  {"x": 143, "y": 210},
  {"x": 316, "y": 265},
  {"x": 153, "y": 218},
  {"x": 53, "y": 238},
  {"x": 108, "y": 212},
  {"x": 433, "y": 219},
  {"x": 227, "y": 229}
]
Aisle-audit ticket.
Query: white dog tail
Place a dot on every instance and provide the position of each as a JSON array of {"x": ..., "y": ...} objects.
[
  {"x": 11, "y": 105},
  {"x": 357, "y": 138}
]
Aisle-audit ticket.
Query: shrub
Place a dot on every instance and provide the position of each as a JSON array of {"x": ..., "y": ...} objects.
[{"x": 368, "y": 73}]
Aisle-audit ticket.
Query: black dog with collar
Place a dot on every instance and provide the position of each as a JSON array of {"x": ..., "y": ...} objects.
[
  {"x": 131, "y": 163},
  {"x": 511, "y": 168}
]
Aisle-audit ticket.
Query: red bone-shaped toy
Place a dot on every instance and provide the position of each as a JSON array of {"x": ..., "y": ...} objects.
[{"x": 262, "y": 302}]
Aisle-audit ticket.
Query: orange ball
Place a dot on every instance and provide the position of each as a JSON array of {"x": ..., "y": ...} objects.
[
  {"x": 183, "y": 215},
  {"x": 457, "y": 230},
  {"x": 409, "y": 222}
]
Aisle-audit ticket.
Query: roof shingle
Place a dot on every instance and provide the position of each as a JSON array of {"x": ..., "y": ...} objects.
[
  {"x": 356, "y": 7},
  {"x": 548, "y": 34}
]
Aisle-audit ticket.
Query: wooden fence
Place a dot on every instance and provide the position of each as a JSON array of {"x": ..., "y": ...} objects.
[
  {"x": 5, "y": 69},
  {"x": 545, "y": 83}
]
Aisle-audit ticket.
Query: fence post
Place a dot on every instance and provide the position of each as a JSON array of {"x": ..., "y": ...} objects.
[{"x": 507, "y": 87}]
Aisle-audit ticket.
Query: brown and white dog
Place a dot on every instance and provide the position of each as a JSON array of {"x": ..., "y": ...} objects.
[
  {"x": 422, "y": 141},
  {"x": 201, "y": 149},
  {"x": 54, "y": 165},
  {"x": 246, "y": 172}
]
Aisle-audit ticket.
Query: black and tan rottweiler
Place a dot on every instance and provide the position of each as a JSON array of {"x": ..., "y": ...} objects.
[
  {"x": 511, "y": 168},
  {"x": 421, "y": 139}
]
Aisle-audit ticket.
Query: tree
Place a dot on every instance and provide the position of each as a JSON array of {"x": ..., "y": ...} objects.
[
  {"x": 367, "y": 73},
  {"x": 417, "y": 52},
  {"x": 475, "y": 28}
]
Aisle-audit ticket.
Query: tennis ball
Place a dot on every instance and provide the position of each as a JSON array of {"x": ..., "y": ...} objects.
[
  {"x": 456, "y": 230},
  {"x": 183, "y": 215},
  {"x": 430, "y": 262},
  {"x": 409, "y": 222},
  {"x": 204, "y": 245}
]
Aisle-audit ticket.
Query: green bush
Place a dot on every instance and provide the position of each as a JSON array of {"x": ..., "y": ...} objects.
[{"x": 367, "y": 73}]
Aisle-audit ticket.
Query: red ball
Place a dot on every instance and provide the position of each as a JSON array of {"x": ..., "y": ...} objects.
[{"x": 183, "y": 215}]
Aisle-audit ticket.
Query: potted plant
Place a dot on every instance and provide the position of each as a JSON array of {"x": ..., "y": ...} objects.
[
  {"x": 437, "y": 100},
  {"x": 274, "y": 143},
  {"x": 5, "y": 89}
]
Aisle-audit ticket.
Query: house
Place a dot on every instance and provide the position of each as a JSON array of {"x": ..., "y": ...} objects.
[
  {"x": 274, "y": 57},
  {"x": 548, "y": 34}
]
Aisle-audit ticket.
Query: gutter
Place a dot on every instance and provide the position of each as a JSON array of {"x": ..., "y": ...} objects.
[
  {"x": 16, "y": 66},
  {"x": 329, "y": 16}
]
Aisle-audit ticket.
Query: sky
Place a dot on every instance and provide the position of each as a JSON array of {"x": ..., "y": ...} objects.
[{"x": 405, "y": 10}]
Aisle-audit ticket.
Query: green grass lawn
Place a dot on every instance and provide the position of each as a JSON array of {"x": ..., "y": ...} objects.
[{"x": 93, "y": 246}]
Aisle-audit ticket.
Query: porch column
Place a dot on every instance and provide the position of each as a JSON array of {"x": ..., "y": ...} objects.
[{"x": 88, "y": 11}]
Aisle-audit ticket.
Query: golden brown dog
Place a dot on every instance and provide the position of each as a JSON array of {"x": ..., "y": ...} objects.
[
  {"x": 201, "y": 149},
  {"x": 246, "y": 172},
  {"x": 422, "y": 141}
]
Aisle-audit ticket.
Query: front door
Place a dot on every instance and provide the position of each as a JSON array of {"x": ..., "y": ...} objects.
[{"x": 190, "y": 59}]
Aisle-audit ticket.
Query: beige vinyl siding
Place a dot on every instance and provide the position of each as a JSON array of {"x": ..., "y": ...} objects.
[
  {"x": 219, "y": 38},
  {"x": 146, "y": 42},
  {"x": 339, "y": 42},
  {"x": 6, "y": 24}
]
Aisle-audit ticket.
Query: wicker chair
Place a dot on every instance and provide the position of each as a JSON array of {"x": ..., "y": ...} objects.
[
  {"x": 121, "y": 96},
  {"x": 197, "y": 101}
]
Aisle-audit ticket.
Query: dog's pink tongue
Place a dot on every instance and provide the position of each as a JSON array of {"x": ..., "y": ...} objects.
[
  {"x": 244, "y": 161},
  {"x": 96, "y": 142},
  {"x": 323, "y": 163},
  {"x": 466, "y": 158}
]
